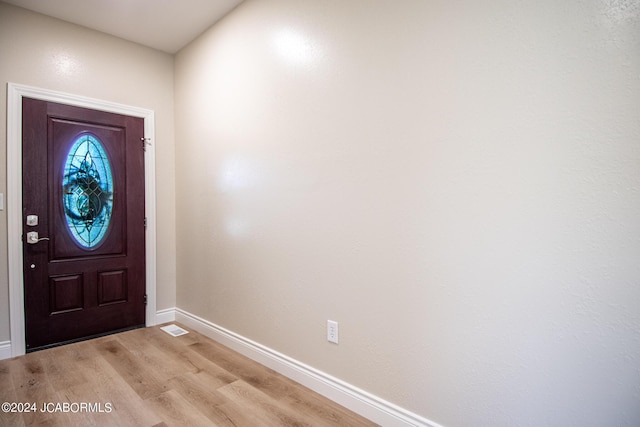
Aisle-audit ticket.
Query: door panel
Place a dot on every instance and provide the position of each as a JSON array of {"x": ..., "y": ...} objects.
[
  {"x": 83, "y": 176},
  {"x": 65, "y": 294},
  {"x": 112, "y": 287}
]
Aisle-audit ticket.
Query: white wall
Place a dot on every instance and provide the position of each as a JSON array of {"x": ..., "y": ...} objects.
[
  {"x": 456, "y": 183},
  {"x": 43, "y": 52}
]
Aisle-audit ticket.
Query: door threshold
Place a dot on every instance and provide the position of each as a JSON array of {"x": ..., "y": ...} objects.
[{"x": 90, "y": 337}]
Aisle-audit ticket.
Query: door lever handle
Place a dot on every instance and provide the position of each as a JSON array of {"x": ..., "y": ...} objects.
[{"x": 33, "y": 238}]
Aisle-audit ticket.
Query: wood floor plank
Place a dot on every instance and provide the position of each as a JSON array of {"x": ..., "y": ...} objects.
[
  {"x": 108, "y": 387},
  {"x": 139, "y": 376},
  {"x": 112, "y": 388},
  {"x": 32, "y": 386},
  {"x": 321, "y": 409},
  {"x": 270, "y": 411},
  {"x": 151, "y": 378},
  {"x": 166, "y": 365},
  {"x": 178, "y": 411},
  {"x": 259, "y": 376},
  {"x": 60, "y": 363},
  {"x": 11, "y": 419},
  {"x": 179, "y": 348},
  {"x": 8, "y": 394},
  {"x": 201, "y": 391}
]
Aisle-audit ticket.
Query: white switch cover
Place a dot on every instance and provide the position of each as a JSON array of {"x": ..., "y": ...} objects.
[{"x": 1, "y": 202}]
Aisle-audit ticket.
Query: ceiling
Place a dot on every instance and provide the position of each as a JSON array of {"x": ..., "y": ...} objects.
[{"x": 166, "y": 25}]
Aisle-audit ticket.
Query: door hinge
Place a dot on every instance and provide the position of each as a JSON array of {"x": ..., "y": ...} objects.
[
  {"x": 145, "y": 299},
  {"x": 145, "y": 142},
  {"x": 145, "y": 222}
]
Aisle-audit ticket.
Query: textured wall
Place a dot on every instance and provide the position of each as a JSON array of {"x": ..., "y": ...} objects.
[
  {"x": 456, "y": 183},
  {"x": 39, "y": 51}
]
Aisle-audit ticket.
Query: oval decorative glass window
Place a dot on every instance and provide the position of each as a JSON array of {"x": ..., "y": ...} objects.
[{"x": 87, "y": 195}]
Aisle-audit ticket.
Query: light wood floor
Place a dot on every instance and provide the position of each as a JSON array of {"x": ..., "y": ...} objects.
[{"x": 146, "y": 377}]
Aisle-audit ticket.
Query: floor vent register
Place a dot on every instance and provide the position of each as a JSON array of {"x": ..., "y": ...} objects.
[{"x": 174, "y": 330}]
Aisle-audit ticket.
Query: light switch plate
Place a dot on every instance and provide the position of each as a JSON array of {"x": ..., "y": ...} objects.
[{"x": 1, "y": 201}]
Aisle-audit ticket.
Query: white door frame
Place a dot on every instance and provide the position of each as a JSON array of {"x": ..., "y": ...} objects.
[{"x": 15, "y": 93}]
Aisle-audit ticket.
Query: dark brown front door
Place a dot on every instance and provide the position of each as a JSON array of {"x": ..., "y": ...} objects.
[{"x": 83, "y": 222}]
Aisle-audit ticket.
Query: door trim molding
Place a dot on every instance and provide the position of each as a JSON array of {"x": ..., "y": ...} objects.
[{"x": 15, "y": 93}]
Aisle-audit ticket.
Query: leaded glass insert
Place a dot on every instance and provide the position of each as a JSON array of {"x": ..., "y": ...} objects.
[{"x": 87, "y": 194}]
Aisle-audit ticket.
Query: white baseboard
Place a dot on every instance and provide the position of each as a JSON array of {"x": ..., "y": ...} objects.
[
  {"x": 5, "y": 350},
  {"x": 357, "y": 400},
  {"x": 165, "y": 316}
]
